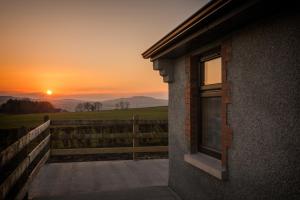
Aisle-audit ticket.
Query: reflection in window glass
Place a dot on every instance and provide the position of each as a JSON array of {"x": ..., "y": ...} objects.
[
  {"x": 211, "y": 122},
  {"x": 212, "y": 71}
]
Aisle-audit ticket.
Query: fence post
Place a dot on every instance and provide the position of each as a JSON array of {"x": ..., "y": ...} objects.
[
  {"x": 47, "y": 118},
  {"x": 134, "y": 133}
]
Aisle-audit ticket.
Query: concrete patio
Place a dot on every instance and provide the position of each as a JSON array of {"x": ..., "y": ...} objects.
[{"x": 120, "y": 180}]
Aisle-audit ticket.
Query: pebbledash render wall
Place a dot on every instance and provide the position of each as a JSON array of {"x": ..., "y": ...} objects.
[{"x": 264, "y": 115}]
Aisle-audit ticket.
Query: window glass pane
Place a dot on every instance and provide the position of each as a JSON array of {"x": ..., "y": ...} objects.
[
  {"x": 211, "y": 122},
  {"x": 212, "y": 71}
]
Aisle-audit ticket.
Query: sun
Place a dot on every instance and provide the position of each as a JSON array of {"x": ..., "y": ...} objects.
[{"x": 49, "y": 92}]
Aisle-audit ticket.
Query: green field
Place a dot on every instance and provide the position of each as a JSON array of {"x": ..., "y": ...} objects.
[{"x": 33, "y": 120}]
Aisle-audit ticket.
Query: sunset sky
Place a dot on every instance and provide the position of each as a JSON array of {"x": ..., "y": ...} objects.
[{"x": 84, "y": 48}]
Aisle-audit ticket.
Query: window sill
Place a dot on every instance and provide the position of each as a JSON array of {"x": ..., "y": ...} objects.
[{"x": 206, "y": 163}]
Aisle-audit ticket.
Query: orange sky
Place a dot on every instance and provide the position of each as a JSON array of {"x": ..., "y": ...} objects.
[{"x": 79, "y": 47}]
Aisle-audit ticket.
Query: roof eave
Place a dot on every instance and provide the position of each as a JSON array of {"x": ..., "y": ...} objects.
[{"x": 183, "y": 28}]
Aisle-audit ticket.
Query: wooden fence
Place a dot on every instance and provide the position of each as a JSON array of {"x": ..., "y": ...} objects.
[
  {"x": 133, "y": 130},
  {"x": 21, "y": 161}
]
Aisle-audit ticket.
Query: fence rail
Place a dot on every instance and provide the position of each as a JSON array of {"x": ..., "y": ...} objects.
[
  {"x": 91, "y": 151},
  {"x": 104, "y": 122},
  {"x": 7, "y": 154},
  {"x": 21, "y": 156},
  {"x": 92, "y": 137}
]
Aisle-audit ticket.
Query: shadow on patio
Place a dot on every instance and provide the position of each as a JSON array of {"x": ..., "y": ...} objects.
[{"x": 144, "y": 179}]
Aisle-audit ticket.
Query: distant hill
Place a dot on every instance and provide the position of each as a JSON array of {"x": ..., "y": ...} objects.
[
  {"x": 66, "y": 104},
  {"x": 70, "y": 104},
  {"x": 4, "y": 99},
  {"x": 26, "y": 106},
  {"x": 135, "y": 102}
]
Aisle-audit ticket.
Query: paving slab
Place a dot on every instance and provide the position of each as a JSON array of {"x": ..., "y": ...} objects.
[
  {"x": 109, "y": 179},
  {"x": 142, "y": 193}
]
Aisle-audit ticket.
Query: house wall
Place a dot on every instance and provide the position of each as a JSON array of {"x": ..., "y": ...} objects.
[{"x": 263, "y": 161}]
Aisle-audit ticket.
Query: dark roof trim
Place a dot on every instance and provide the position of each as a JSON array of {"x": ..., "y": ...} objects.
[{"x": 184, "y": 27}]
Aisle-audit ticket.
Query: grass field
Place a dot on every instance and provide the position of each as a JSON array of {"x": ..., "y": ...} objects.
[{"x": 33, "y": 120}]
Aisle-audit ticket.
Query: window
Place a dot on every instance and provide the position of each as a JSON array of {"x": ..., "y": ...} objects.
[
  {"x": 206, "y": 103},
  {"x": 210, "y": 105}
]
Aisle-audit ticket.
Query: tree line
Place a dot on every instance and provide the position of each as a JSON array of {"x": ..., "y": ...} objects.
[
  {"x": 98, "y": 106},
  {"x": 26, "y": 106},
  {"x": 88, "y": 107}
]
